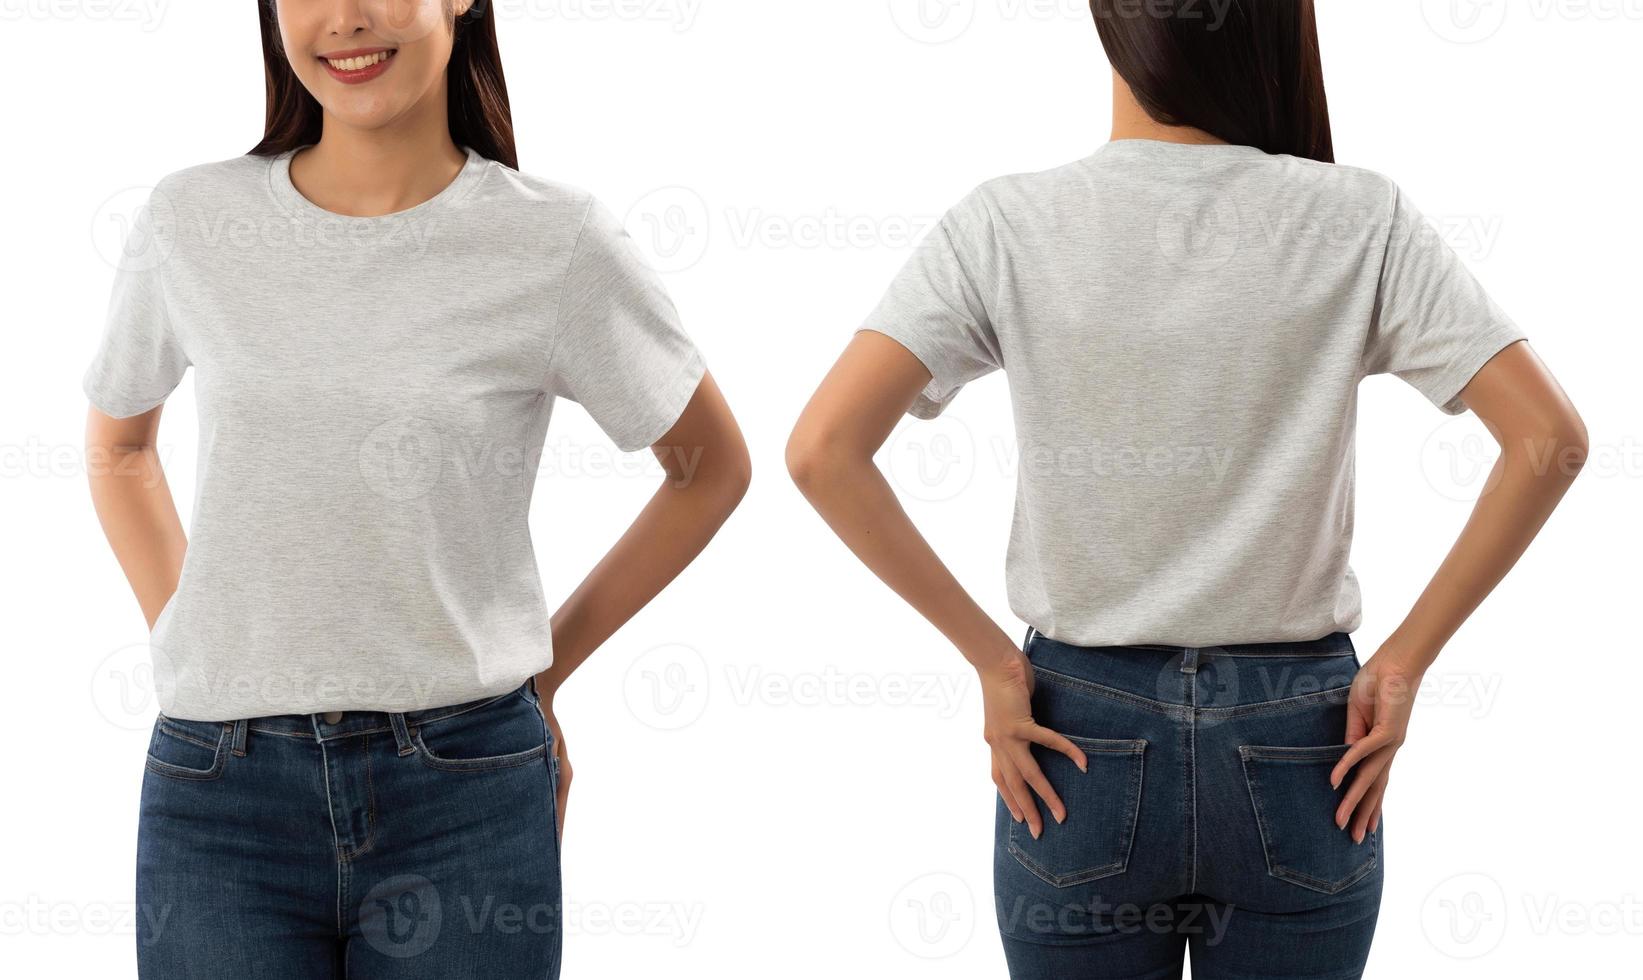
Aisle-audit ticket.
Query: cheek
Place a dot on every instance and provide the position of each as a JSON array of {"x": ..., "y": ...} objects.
[{"x": 402, "y": 22}]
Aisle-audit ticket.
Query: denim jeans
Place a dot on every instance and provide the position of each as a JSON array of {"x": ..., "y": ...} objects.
[
  {"x": 1205, "y": 821},
  {"x": 376, "y": 846}
]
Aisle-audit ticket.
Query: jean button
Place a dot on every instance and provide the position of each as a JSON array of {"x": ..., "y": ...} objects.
[{"x": 331, "y": 717}]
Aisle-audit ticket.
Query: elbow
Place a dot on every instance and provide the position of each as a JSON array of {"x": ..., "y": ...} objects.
[
  {"x": 1573, "y": 447},
  {"x": 731, "y": 476},
  {"x": 813, "y": 459},
  {"x": 739, "y": 476}
]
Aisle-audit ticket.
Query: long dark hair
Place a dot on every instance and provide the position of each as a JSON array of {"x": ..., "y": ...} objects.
[
  {"x": 476, "y": 93},
  {"x": 1245, "y": 71}
]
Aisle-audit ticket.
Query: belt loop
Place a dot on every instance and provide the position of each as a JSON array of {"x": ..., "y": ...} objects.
[
  {"x": 1189, "y": 660},
  {"x": 240, "y": 728},
  {"x": 402, "y": 735}
]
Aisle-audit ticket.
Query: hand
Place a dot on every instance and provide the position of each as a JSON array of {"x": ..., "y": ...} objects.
[
  {"x": 1377, "y": 721},
  {"x": 563, "y": 756},
  {"x": 1006, "y": 693}
]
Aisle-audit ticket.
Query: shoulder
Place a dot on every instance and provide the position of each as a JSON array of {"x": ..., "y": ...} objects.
[
  {"x": 1355, "y": 185},
  {"x": 538, "y": 197},
  {"x": 211, "y": 185}
]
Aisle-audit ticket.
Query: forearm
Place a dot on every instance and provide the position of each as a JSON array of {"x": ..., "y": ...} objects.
[
  {"x": 858, "y": 503},
  {"x": 674, "y": 527},
  {"x": 139, "y": 518},
  {"x": 1529, "y": 479}
]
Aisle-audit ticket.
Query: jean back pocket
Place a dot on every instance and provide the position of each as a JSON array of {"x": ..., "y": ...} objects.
[
  {"x": 1102, "y": 807},
  {"x": 1294, "y": 808}
]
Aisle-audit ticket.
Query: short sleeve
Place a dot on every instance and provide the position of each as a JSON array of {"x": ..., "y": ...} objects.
[
  {"x": 139, "y": 361},
  {"x": 1433, "y": 325},
  {"x": 936, "y": 308},
  {"x": 619, "y": 350}
]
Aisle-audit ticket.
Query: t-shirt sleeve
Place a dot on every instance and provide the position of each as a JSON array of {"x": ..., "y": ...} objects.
[
  {"x": 619, "y": 350},
  {"x": 1433, "y": 325},
  {"x": 139, "y": 361},
  {"x": 936, "y": 306}
]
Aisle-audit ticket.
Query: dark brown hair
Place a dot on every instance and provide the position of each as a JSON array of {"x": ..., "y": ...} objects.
[
  {"x": 1245, "y": 71},
  {"x": 476, "y": 93}
]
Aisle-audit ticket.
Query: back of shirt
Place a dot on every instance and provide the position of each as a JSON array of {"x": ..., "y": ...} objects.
[{"x": 1184, "y": 328}]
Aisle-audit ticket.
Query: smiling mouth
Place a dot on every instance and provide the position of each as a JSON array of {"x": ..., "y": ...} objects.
[{"x": 358, "y": 66}]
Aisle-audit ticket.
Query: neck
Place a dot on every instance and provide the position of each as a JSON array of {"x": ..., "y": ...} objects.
[
  {"x": 371, "y": 172},
  {"x": 1131, "y": 122}
]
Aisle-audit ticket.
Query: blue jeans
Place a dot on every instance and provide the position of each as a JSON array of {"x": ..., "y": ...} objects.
[
  {"x": 372, "y": 846},
  {"x": 1205, "y": 822}
]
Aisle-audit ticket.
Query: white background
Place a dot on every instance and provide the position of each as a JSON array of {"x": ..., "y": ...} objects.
[{"x": 780, "y": 768}]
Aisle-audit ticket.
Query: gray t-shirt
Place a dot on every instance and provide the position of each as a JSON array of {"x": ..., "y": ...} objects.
[
  {"x": 373, "y": 399},
  {"x": 1183, "y": 329}
]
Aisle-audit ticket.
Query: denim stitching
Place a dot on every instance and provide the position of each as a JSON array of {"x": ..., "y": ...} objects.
[
  {"x": 1138, "y": 748},
  {"x": 171, "y": 729},
  {"x": 1297, "y": 701},
  {"x": 218, "y": 761},
  {"x": 370, "y": 806},
  {"x": 1079, "y": 684},
  {"x": 1283, "y": 872}
]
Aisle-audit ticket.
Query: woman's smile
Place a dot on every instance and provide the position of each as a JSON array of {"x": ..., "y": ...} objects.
[{"x": 359, "y": 65}]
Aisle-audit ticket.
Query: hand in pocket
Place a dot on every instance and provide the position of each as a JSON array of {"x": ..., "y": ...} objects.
[
  {"x": 1009, "y": 728},
  {"x": 1377, "y": 722}
]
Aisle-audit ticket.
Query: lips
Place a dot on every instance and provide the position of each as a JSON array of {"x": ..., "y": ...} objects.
[{"x": 361, "y": 65}]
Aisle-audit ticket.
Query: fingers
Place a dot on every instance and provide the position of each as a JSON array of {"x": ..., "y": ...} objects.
[
  {"x": 1359, "y": 718},
  {"x": 1367, "y": 774},
  {"x": 1036, "y": 779},
  {"x": 1004, "y": 794},
  {"x": 1361, "y": 749},
  {"x": 1370, "y": 806},
  {"x": 1060, "y": 743},
  {"x": 562, "y": 797},
  {"x": 1023, "y": 797}
]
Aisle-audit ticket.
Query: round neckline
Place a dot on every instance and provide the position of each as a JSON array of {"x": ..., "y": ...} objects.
[
  {"x": 299, "y": 206},
  {"x": 1143, "y": 144}
]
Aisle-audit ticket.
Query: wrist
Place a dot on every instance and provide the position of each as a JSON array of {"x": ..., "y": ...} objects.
[
  {"x": 1408, "y": 663},
  {"x": 1000, "y": 665}
]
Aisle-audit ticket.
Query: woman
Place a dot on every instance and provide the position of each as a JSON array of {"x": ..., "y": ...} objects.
[
  {"x": 1185, "y": 749},
  {"x": 357, "y": 770}
]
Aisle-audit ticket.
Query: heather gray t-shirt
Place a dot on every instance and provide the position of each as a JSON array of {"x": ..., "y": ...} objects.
[
  {"x": 373, "y": 397},
  {"x": 1183, "y": 329}
]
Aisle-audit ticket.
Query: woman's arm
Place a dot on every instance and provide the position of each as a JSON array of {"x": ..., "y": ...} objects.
[
  {"x": 708, "y": 472},
  {"x": 134, "y": 504},
  {"x": 830, "y": 456},
  {"x": 1543, "y": 447}
]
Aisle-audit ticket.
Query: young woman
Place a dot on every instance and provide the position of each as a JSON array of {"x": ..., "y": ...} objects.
[
  {"x": 357, "y": 770},
  {"x": 1185, "y": 748}
]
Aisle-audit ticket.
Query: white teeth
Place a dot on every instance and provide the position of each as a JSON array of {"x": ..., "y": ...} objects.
[{"x": 355, "y": 64}]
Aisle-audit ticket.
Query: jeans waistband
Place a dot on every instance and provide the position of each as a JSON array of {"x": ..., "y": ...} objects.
[
  {"x": 1330, "y": 645},
  {"x": 353, "y": 723}
]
